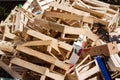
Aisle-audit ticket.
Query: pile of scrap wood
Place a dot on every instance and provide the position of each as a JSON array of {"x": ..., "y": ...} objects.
[{"x": 61, "y": 40}]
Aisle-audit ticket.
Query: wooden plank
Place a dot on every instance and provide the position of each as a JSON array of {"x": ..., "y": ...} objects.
[
  {"x": 101, "y": 3},
  {"x": 14, "y": 74},
  {"x": 92, "y": 12},
  {"x": 103, "y": 22},
  {"x": 39, "y": 69},
  {"x": 9, "y": 35},
  {"x": 62, "y": 15},
  {"x": 88, "y": 20},
  {"x": 97, "y": 4},
  {"x": 28, "y": 65},
  {"x": 37, "y": 43},
  {"x": 43, "y": 56},
  {"x": 17, "y": 22},
  {"x": 48, "y": 24}
]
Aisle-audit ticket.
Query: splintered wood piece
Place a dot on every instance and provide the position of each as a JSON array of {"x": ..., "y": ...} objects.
[
  {"x": 39, "y": 69},
  {"x": 43, "y": 56},
  {"x": 14, "y": 74}
]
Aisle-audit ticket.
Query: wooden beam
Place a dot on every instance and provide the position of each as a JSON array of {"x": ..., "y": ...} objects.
[
  {"x": 43, "y": 56},
  {"x": 14, "y": 74}
]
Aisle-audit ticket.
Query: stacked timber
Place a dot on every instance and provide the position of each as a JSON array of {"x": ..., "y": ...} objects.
[{"x": 61, "y": 40}]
